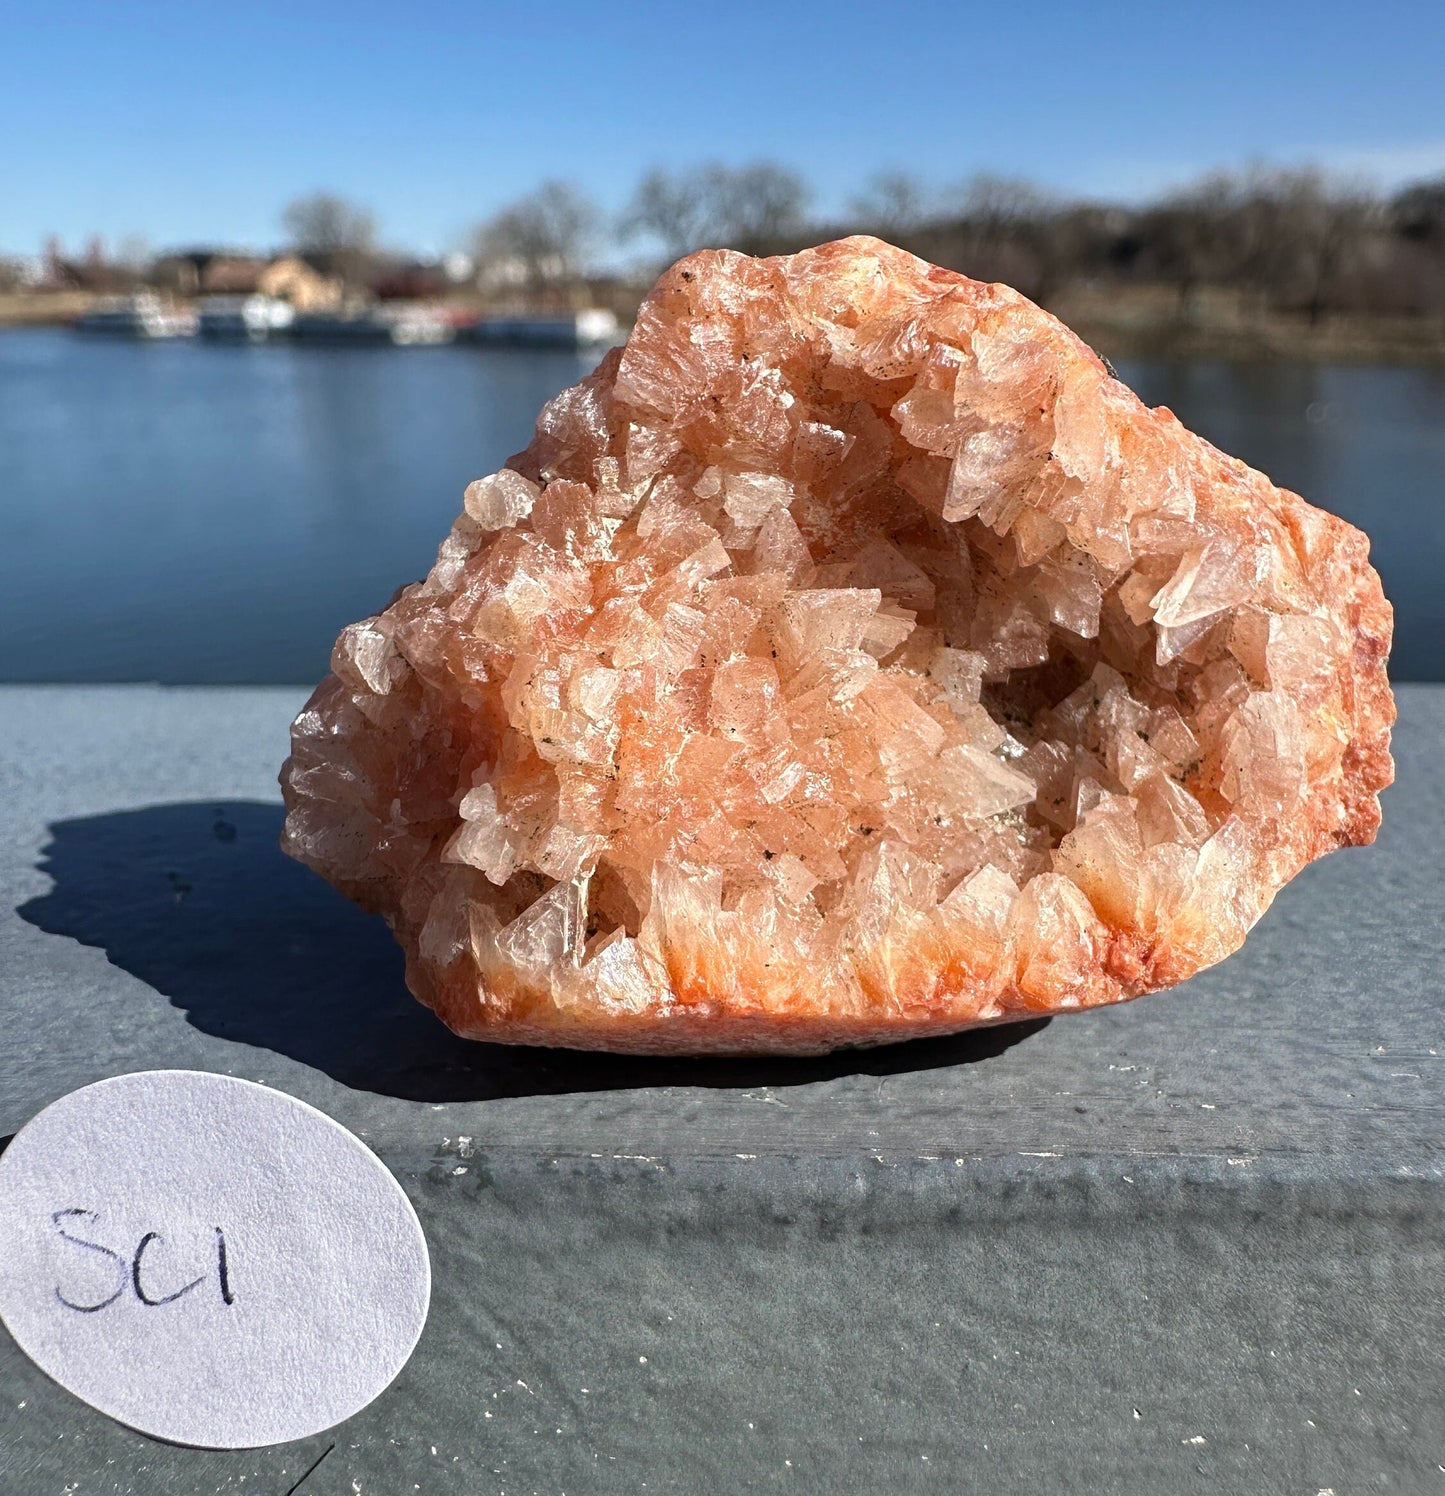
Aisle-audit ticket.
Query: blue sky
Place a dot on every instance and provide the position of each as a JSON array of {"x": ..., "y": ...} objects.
[{"x": 192, "y": 122}]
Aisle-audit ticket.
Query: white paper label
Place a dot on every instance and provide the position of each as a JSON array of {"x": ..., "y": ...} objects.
[{"x": 207, "y": 1260}]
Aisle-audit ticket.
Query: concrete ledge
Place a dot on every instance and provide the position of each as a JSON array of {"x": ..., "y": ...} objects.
[{"x": 1194, "y": 1244}]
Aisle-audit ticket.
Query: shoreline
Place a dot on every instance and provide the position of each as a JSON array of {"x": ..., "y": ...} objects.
[
  {"x": 1119, "y": 323},
  {"x": 1156, "y": 322}
]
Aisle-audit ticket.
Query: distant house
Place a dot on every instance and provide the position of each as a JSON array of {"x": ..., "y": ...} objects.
[
  {"x": 290, "y": 278},
  {"x": 411, "y": 280},
  {"x": 214, "y": 272},
  {"x": 193, "y": 272},
  {"x": 232, "y": 275}
]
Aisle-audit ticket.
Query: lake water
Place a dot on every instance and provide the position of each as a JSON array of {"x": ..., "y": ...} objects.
[{"x": 187, "y": 512}]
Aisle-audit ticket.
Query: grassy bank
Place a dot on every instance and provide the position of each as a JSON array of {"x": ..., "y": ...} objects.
[
  {"x": 45, "y": 309},
  {"x": 1157, "y": 322}
]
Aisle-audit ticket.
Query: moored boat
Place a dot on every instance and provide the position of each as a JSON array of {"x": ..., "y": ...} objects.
[
  {"x": 419, "y": 326},
  {"x": 143, "y": 315},
  {"x": 404, "y": 326},
  {"x": 595, "y": 327},
  {"x": 246, "y": 318}
]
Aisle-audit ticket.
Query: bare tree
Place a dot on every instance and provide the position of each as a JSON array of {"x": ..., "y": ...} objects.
[
  {"x": 1418, "y": 211},
  {"x": 545, "y": 237},
  {"x": 998, "y": 207},
  {"x": 1417, "y": 216},
  {"x": 748, "y": 207},
  {"x": 1202, "y": 234},
  {"x": 1313, "y": 235},
  {"x": 323, "y": 223},
  {"x": 893, "y": 202},
  {"x": 993, "y": 228},
  {"x": 676, "y": 208},
  {"x": 1292, "y": 236},
  {"x": 758, "y": 204},
  {"x": 340, "y": 235}
]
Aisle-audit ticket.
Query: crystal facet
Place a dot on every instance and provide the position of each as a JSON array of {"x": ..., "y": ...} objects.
[{"x": 849, "y": 658}]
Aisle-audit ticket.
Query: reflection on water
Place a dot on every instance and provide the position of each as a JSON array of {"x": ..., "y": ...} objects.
[
  {"x": 187, "y": 512},
  {"x": 190, "y": 512}
]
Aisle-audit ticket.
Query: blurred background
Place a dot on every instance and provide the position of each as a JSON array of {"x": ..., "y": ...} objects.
[{"x": 276, "y": 281}]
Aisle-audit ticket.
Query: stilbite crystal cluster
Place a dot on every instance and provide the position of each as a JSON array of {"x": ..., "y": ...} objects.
[{"x": 850, "y": 657}]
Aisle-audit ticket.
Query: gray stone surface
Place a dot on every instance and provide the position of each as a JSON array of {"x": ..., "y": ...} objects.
[{"x": 1193, "y": 1244}]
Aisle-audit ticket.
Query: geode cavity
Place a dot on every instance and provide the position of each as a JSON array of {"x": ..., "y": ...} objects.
[{"x": 850, "y": 657}]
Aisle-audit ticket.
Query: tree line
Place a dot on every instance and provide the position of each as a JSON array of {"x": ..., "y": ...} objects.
[
  {"x": 1290, "y": 240},
  {"x": 1294, "y": 240}
]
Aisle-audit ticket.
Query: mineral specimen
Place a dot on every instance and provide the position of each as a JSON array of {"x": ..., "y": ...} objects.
[{"x": 850, "y": 657}]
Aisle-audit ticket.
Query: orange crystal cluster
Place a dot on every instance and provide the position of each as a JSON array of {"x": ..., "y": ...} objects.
[{"x": 850, "y": 657}]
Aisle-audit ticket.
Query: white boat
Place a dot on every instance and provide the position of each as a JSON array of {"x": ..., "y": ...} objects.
[
  {"x": 143, "y": 315},
  {"x": 595, "y": 327},
  {"x": 403, "y": 326},
  {"x": 418, "y": 326},
  {"x": 244, "y": 318}
]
